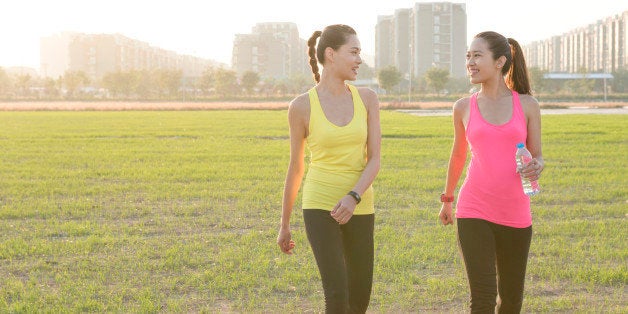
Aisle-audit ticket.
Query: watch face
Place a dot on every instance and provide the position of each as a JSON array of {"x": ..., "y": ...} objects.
[{"x": 446, "y": 199}]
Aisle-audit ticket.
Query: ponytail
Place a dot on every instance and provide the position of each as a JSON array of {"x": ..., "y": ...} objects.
[
  {"x": 333, "y": 36},
  {"x": 517, "y": 77},
  {"x": 514, "y": 69},
  {"x": 311, "y": 44}
]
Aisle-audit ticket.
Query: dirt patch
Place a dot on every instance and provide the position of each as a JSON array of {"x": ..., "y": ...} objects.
[
  {"x": 115, "y": 105},
  {"x": 276, "y": 105},
  {"x": 544, "y": 105}
]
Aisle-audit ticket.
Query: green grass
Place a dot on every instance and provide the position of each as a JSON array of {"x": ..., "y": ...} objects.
[{"x": 178, "y": 212}]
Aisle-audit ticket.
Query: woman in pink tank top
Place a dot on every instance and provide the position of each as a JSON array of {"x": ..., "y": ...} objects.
[{"x": 493, "y": 219}]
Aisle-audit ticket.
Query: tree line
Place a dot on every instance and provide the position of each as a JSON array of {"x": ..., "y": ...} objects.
[
  {"x": 218, "y": 83},
  {"x": 158, "y": 84},
  {"x": 438, "y": 81}
]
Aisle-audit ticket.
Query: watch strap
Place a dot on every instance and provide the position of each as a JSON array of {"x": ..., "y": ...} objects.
[
  {"x": 355, "y": 196},
  {"x": 446, "y": 199}
]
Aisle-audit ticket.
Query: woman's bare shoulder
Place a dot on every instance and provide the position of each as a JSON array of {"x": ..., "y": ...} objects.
[
  {"x": 528, "y": 101},
  {"x": 365, "y": 91},
  {"x": 462, "y": 103},
  {"x": 300, "y": 104},
  {"x": 530, "y": 106},
  {"x": 369, "y": 96}
]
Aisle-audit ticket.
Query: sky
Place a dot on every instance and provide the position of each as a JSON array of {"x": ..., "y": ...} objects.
[{"x": 206, "y": 28}]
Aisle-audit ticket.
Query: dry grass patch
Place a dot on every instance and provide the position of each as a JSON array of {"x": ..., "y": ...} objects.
[
  {"x": 239, "y": 105},
  {"x": 134, "y": 105}
]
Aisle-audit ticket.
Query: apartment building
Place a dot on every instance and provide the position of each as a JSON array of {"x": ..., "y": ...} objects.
[
  {"x": 274, "y": 50},
  {"x": 384, "y": 55},
  {"x": 598, "y": 47},
  {"x": 427, "y": 35},
  {"x": 99, "y": 54}
]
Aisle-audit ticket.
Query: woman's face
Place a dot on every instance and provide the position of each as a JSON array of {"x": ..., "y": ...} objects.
[
  {"x": 347, "y": 59},
  {"x": 480, "y": 63}
]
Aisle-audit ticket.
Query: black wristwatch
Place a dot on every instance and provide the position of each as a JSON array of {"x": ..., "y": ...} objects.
[{"x": 355, "y": 196}]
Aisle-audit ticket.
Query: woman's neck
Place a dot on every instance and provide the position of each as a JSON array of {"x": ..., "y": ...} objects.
[
  {"x": 332, "y": 85},
  {"x": 495, "y": 89}
]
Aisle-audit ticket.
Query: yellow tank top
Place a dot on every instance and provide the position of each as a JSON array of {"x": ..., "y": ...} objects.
[{"x": 337, "y": 157}]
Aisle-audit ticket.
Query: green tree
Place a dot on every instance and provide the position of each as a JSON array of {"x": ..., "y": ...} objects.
[
  {"x": 299, "y": 83},
  {"x": 73, "y": 80},
  {"x": 281, "y": 88},
  {"x": 538, "y": 82},
  {"x": 23, "y": 84},
  {"x": 144, "y": 84},
  {"x": 208, "y": 80},
  {"x": 268, "y": 86},
  {"x": 168, "y": 82},
  {"x": 249, "y": 81},
  {"x": 458, "y": 85},
  {"x": 366, "y": 72},
  {"x": 189, "y": 87},
  {"x": 118, "y": 83},
  {"x": 5, "y": 83},
  {"x": 581, "y": 86},
  {"x": 388, "y": 77},
  {"x": 226, "y": 82},
  {"x": 437, "y": 78},
  {"x": 619, "y": 83},
  {"x": 50, "y": 87}
]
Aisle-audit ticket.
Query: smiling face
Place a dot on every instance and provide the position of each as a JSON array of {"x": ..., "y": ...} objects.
[
  {"x": 481, "y": 66},
  {"x": 347, "y": 60}
]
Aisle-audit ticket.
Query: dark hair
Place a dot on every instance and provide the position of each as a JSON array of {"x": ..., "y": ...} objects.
[
  {"x": 515, "y": 68},
  {"x": 332, "y": 36}
]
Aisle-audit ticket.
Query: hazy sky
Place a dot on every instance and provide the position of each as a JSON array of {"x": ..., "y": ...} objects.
[{"x": 206, "y": 28}]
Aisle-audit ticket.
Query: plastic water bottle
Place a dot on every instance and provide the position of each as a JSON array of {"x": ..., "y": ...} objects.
[{"x": 523, "y": 157}]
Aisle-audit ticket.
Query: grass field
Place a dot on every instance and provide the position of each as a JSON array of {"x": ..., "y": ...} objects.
[{"x": 177, "y": 211}]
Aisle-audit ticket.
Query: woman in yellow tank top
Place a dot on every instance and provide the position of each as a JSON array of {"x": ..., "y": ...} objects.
[{"x": 339, "y": 123}]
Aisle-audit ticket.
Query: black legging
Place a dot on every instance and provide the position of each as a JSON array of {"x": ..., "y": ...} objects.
[
  {"x": 344, "y": 255},
  {"x": 495, "y": 257}
]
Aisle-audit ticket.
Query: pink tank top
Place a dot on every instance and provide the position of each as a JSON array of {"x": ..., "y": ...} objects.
[{"x": 492, "y": 189}]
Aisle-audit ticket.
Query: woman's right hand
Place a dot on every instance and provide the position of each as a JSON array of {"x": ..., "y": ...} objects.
[
  {"x": 445, "y": 214},
  {"x": 284, "y": 240}
]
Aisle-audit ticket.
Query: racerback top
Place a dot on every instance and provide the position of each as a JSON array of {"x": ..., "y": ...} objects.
[
  {"x": 337, "y": 157},
  {"x": 492, "y": 189}
]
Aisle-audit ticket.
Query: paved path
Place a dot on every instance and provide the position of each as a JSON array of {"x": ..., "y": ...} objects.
[{"x": 572, "y": 110}]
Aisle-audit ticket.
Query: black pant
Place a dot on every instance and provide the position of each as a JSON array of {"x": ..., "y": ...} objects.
[
  {"x": 344, "y": 255},
  {"x": 495, "y": 257}
]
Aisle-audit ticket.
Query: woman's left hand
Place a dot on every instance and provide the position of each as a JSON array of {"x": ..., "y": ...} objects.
[
  {"x": 343, "y": 211},
  {"x": 532, "y": 171}
]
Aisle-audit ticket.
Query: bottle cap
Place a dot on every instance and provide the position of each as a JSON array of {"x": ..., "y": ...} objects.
[{"x": 520, "y": 145}]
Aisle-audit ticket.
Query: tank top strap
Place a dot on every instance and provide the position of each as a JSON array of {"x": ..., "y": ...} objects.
[
  {"x": 517, "y": 110},
  {"x": 473, "y": 108},
  {"x": 354, "y": 96},
  {"x": 315, "y": 105},
  {"x": 474, "y": 97},
  {"x": 359, "y": 108},
  {"x": 474, "y": 101}
]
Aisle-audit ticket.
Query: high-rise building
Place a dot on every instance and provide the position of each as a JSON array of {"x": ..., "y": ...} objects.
[
  {"x": 273, "y": 50},
  {"x": 598, "y": 47},
  {"x": 99, "y": 54},
  {"x": 440, "y": 31},
  {"x": 428, "y": 35},
  {"x": 54, "y": 54},
  {"x": 384, "y": 55},
  {"x": 402, "y": 41}
]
